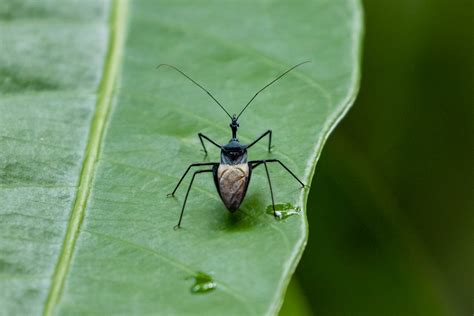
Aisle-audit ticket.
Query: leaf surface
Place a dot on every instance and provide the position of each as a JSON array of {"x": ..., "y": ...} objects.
[{"x": 94, "y": 137}]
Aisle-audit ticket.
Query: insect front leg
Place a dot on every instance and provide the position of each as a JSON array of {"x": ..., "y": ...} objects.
[
  {"x": 269, "y": 133},
  {"x": 186, "y": 172},
  {"x": 201, "y": 136},
  {"x": 187, "y": 193}
]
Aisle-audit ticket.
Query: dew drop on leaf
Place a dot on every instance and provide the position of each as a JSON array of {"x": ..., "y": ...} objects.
[
  {"x": 203, "y": 283},
  {"x": 283, "y": 211}
]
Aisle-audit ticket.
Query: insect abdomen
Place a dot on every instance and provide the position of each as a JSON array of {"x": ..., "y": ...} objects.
[{"x": 232, "y": 182}]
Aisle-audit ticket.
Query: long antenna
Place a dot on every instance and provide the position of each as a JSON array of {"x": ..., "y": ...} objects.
[
  {"x": 197, "y": 84},
  {"x": 269, "y": 84}
]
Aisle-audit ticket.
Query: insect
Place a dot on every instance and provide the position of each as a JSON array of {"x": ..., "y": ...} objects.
[{"x": 232, "y": 174}]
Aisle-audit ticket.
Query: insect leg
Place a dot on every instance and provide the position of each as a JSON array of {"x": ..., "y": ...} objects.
[
  {"x": 201, "y": 136},
  {"x": 187, "y": 193},
  {"x": 256, "y": 163},
  {"x": 269, "y": 133},
  {"x": 186, "y": 172},
  {"x": 271, "y": 190}
]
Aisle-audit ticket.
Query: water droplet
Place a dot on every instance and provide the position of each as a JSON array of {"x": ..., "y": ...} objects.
[
  {"x": 283, "y": 211},
  {"x": 203, "y": 283}
]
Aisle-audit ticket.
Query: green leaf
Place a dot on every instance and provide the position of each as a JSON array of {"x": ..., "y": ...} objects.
[{"x": 93, "y": 137}]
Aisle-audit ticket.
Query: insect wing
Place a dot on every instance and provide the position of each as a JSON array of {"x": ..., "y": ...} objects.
[{"x": 232, "y": 182}]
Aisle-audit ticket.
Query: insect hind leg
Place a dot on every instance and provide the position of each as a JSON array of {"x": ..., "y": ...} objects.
[
  {"x": 186, "y": 172},
  {"x": 275, "y": 213},
  {"x": 186, "y": 197}
]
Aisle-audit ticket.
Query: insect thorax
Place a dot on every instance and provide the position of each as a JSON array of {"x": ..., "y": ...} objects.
[{"x": 233, "y": 154}]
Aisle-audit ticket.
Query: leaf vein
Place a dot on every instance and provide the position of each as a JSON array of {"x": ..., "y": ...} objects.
[{"x": 99, "y": 122}]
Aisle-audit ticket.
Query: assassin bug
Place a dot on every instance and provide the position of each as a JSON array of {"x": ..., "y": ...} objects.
[{"x": 232, "y": 174}]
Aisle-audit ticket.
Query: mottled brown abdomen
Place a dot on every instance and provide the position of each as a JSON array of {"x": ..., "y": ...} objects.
[{"x": 232, "y": 182}]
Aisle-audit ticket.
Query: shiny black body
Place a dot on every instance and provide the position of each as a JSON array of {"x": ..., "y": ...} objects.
[
  {"x": 233, "y": 173},
  {"x": 233, "y": 158}
]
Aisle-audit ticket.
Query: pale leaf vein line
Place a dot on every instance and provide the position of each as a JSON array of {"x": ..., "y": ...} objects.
[{"x": 104, "y": 102}]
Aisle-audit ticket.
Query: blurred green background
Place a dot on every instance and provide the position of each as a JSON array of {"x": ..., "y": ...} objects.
[{"x": 391, "y": 207}]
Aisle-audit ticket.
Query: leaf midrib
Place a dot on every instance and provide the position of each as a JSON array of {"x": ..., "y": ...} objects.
[{"x": 117, "y": 27}]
